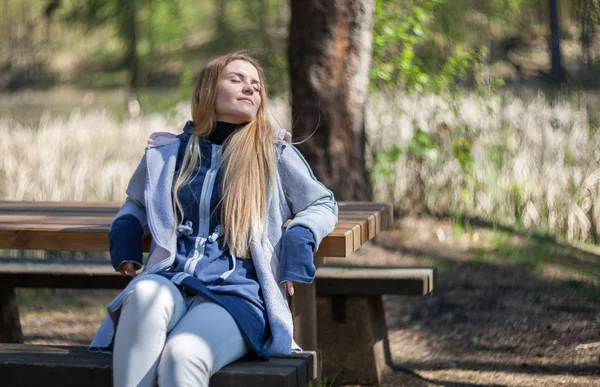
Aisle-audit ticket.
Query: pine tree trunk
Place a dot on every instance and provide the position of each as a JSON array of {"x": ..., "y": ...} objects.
[
  {"x": 557, "y": 68},
  {"x": 329, "y": 58},
  {"x": 127, "y": 13}
]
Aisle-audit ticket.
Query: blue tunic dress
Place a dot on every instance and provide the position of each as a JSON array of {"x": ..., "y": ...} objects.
[{"x": 204, "y": 265}]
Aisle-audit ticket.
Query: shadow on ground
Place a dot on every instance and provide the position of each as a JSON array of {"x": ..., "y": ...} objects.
[{"x": 508, "y": 305}]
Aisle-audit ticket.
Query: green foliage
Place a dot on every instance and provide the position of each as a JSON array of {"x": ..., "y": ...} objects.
[
  {"x": 421, "y": 150},
  {"x": 407, "y": 50},
  {"x": 385, "y": 162},
  {"x": 276, "y": 71},
  {"x": 461, "y": 150},
  {"x": 519, "y": 201},
  {"x": 186, "y": 81},
  {"x": 495, "y": 154},
  {"x": 423, "y": 146}
]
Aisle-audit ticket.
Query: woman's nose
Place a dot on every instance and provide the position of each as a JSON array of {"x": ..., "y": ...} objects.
[{"x": 248, "y": 90}]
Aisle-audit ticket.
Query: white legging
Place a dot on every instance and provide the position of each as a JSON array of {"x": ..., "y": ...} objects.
[{"x": 167, "y": 338}]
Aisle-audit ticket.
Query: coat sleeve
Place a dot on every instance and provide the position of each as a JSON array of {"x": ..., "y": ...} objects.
[
  {"x": 130, "y": 224},
  {"x": 311, "y": 203},
  {"x": 135, "y": 203},
  {"x": 297, "y": 259}
]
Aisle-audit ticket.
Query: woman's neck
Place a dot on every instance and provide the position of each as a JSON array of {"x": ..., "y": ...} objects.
[{"x": 222, "y": 131}]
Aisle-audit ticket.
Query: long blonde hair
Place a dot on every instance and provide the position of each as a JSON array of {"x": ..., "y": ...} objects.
[{"x": 249, "y": 162}]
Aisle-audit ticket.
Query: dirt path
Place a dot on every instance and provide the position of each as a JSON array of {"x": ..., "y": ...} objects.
[
  {"x": 510, "y": 310},
  {"x": 495, "y": 320}
]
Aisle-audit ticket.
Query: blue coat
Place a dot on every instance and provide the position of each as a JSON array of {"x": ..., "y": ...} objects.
[{"x": 297, "y": 195}]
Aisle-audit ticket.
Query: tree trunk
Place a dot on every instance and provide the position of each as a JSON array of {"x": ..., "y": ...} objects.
[
  {"x": 127, "y": 13},
  {"x": 150, "y": 27},
  {"x": 9, "y": 30},
  {"x": 329, "y": 58},
  {"x": 221, "y": 18},
  {"x": 557, "y": 69}
]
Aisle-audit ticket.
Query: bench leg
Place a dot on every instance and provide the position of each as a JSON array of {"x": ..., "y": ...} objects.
[
  {"x": 353, "y": 340},
  {"x": 10, "y": 325},
  {"x": 304, "y": 311}
]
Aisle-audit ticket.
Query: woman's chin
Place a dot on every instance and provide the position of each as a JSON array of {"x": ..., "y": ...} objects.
[{"x": 236, "y": 118}]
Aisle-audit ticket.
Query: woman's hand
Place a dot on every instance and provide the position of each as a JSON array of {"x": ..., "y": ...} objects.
[
  {"x": 290, "y": 287},
  {"x": 127, "y": 269}
]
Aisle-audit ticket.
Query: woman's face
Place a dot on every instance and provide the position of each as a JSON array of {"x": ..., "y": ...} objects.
[{"x": 238, "y": 96}]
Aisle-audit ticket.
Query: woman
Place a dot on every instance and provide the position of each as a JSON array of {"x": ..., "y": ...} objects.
[{"x": 214, "y": 199}]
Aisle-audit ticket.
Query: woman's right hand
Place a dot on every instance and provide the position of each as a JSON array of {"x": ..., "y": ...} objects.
[{"x": 127, "y": 269}]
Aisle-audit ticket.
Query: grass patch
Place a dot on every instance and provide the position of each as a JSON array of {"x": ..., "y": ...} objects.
[{"x": 44, "y": 301}]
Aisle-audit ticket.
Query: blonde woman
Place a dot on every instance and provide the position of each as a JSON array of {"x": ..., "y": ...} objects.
[{"x": 214, "y": 199}]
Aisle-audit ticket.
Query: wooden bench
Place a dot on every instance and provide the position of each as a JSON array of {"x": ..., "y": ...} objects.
[
  {"x": 84, "y": 227},
  {"x": 66, "y": 366},
  {"x": 353, "y": 340}
]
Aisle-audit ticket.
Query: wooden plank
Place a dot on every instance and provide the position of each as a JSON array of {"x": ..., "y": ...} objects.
[
  {"x": 385, "y": 210},
  {"x": 37, "y": 273},
  {"x": 70, "y": 366},
  {"x": 72, "y": 240},
  {"x": 84, "y": 226},
  {"x": 46, "y": 221},
  {"x": 20, "y": 206},
  {"x": 337, "y": 244},
  {"x": 374, "y": 280},
  {"x": 78, "y": 219},
  {"x": 364, "y": 230},
  {"x": 354, "y": 227},
  {"x": 310, "y": 357},
  {"x": 9, "y": 205},
  {"x": 369, "y": 218}
]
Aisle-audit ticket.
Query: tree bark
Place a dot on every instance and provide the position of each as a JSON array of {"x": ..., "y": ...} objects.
[
  {"x": 329, "y": 58},
  {"x": 557, "y": 68},
  {"x": 127, "y": 19}
]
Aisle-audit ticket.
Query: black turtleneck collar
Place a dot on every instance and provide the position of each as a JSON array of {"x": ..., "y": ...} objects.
[{"x": 222, "y": 131}]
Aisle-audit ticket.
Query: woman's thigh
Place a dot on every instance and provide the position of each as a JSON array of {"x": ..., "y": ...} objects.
[
  {"x": 154, "y": 300},
  {"x": 151, "y": 308},
  {"x": 206, "y": 339}
]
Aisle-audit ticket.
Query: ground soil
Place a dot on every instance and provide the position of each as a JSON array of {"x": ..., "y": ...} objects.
[{"x": 490, "y": 323}]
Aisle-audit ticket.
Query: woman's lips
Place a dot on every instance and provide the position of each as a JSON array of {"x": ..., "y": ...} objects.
[{"x": 247, "y": 100}]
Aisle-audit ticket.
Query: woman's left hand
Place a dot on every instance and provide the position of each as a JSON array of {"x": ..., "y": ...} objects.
[{"x": 290, "y": 287}]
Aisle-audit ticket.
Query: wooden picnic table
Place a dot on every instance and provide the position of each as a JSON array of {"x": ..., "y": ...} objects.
[{"x": 84, "y": 226}]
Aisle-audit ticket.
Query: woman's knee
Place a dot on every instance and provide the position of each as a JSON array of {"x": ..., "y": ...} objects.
[{"x": 186, "y": 360}]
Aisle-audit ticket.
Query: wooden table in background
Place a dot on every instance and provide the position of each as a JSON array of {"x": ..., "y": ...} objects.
[{"x": 83, "y": 226}]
